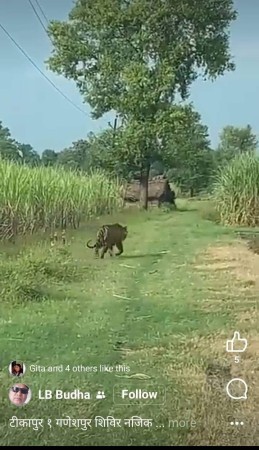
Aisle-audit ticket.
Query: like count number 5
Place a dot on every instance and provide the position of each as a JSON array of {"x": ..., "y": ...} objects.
[{"x": 236, "y": 345}]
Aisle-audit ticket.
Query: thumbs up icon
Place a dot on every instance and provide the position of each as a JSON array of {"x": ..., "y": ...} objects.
[{"x": 236, "y": 344}]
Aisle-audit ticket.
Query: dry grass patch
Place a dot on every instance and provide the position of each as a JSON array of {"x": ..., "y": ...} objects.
[
  {"x": 234, "y": 270},
  {"x": 236, "y": 259},
  {"x": 144, "y": 352}
]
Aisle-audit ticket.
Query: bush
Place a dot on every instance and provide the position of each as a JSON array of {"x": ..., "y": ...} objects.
[
  {"x": 19, "y": 284},
  {"x": 57, "y": 265},
  {"x": 208, "y": 211},
  {"x": 30, "y": 276},
  {"x": 236, "y": 191}
]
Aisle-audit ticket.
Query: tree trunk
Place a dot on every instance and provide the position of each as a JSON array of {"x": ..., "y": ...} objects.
[
  {"x": 144, "y": 175},
  {"x": 191, "y": 192}
]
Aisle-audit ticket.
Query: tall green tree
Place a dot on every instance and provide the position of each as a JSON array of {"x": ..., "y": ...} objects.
[
  {"x": 4, "y": 132},
  {"x": 28, "y": 154},
  {"x": 190, "y": 159},
  {"x": 103, "y": 153},
  {"x": 49, "y": 158},
  {"x": 234, "y": 141},
  {"x": 75, "y": 157},
  {"x": 15, "y": 151},
  {"x": 8, "y": 146},
  {"x": 135, "y": 56},
  {"x": 112, "y": 151}
]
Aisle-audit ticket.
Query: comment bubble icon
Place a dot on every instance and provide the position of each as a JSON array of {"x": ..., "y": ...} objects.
[{"x": 237, "y": 389}]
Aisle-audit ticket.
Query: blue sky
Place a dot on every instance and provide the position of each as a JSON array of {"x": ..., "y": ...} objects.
[{"x": 35, "y": 113}]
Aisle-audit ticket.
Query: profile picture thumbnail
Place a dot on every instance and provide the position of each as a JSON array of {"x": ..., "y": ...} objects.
[
  {"x": 17, "y": 369},
  {"x": 19, "y": 394}
]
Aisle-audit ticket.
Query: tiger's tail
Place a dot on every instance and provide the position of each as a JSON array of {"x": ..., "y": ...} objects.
[{"x": 90, "y": 246}]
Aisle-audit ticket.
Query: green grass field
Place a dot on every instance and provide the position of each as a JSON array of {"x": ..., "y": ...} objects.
[{"x": 164, "y": 309}]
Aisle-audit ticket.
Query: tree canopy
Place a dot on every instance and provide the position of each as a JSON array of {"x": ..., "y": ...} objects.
[
  {"x": 8, "y": 146},
  {"x": 234, "y": 141},
  {"x": 135, "y": 56}
]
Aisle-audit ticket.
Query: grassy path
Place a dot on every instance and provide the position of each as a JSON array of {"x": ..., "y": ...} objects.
[{"x": 156, "y": 310}]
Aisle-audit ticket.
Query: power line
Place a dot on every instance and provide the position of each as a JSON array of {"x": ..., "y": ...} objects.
[
  {"x": 41, "y": 10},
  {"x": 40, "y": 71},
  {"x": 45, "y": 29},
  {"x": 38, "y": 17},
  {"x": 47, "y": 21}
]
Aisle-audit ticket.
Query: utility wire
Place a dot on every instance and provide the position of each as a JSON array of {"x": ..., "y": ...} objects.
[
  {"x": 41, "y": 10},
  {"x": 43, "y": 26},
  {"x": 46, "y": 31},
  {"x": 40, "y": 71},
  {"x": 38, "y": 17}
]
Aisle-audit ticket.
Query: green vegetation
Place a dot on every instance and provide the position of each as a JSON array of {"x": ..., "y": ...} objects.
[
  {"x": 235, "y": 141},
  {"x": 236, "y": 191},
  {"x": 135, "y": 58},
  {"x": 165, "y": 309},
  {"x": 40, "y": 198}
]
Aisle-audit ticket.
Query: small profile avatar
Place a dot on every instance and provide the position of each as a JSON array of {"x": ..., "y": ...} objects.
[
  {"x": 19, "y": 394},
  {"x": 100, "y": 395},
  {"x": 17, "y": 369}
]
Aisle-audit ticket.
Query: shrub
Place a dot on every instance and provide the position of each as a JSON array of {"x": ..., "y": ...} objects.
[{"x": 30, "y": 276}]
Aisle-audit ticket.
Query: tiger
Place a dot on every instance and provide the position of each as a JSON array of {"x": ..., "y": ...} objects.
[{"x": 107, "y": 237}]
